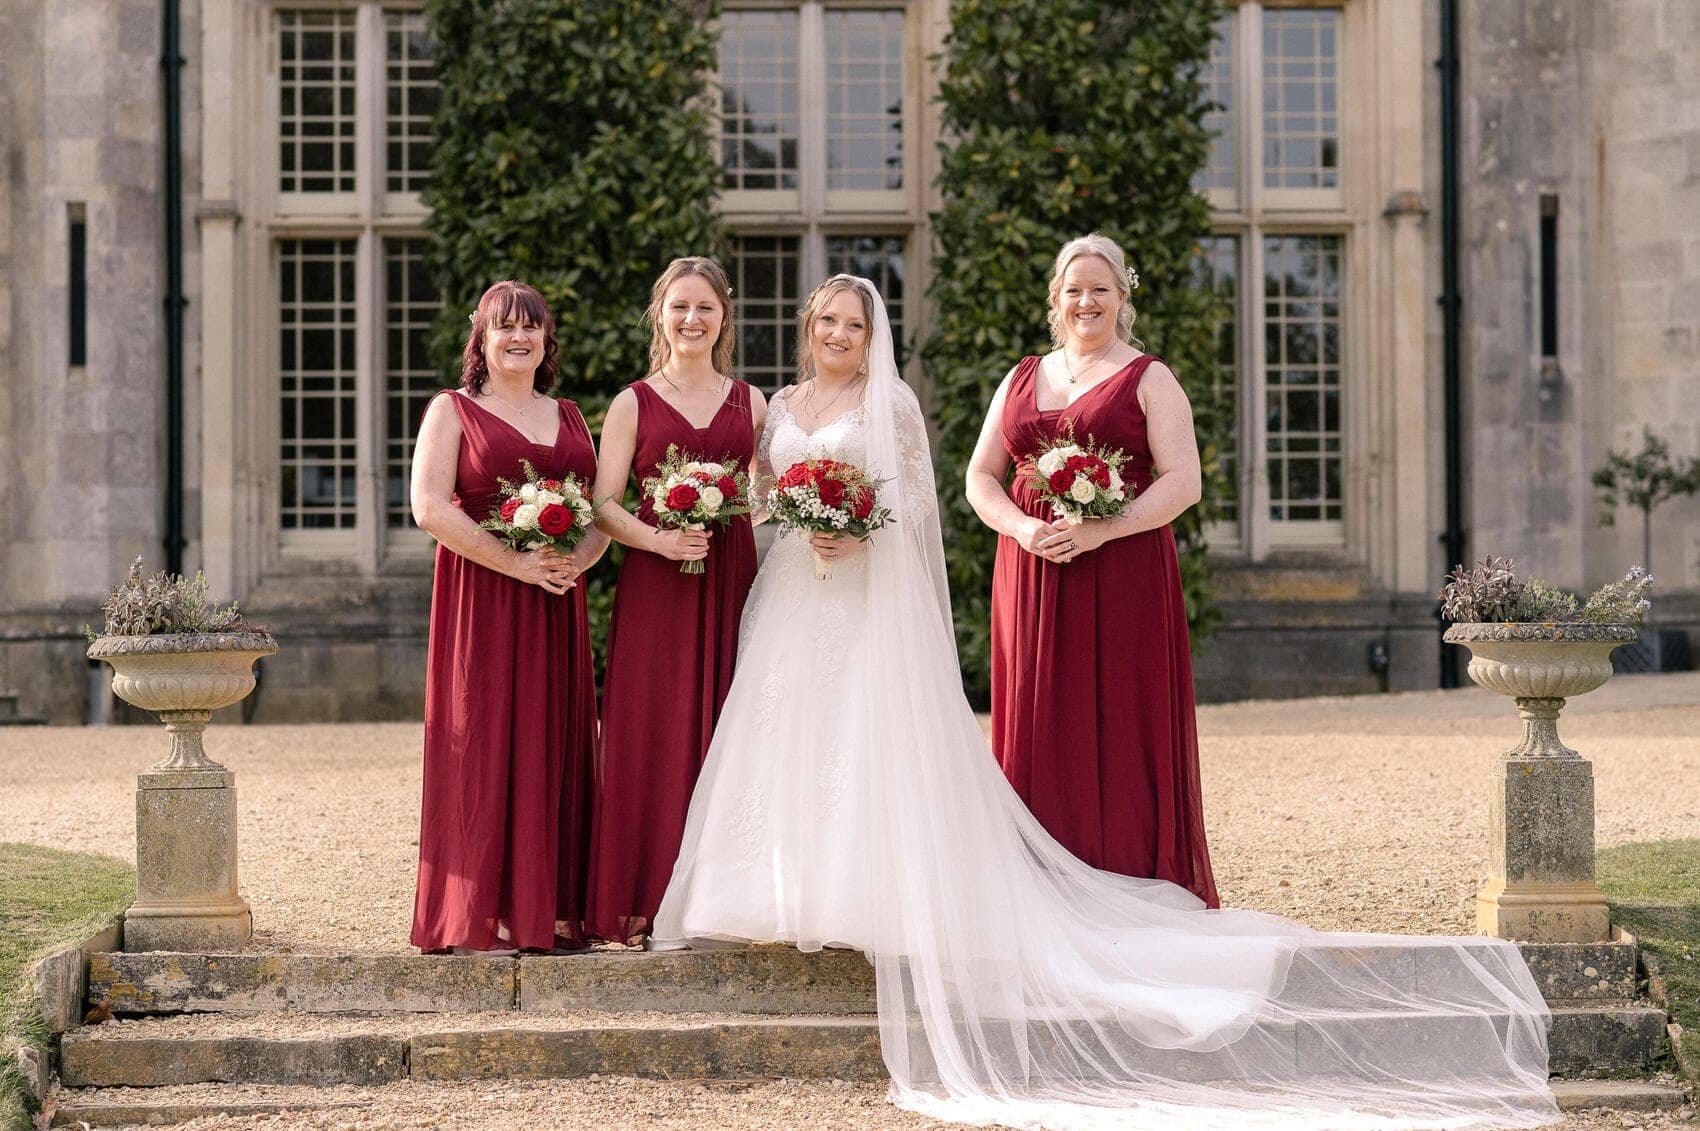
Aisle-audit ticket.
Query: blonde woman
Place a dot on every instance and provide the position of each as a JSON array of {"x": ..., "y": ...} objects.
[{"x": 1092, "y": 702}]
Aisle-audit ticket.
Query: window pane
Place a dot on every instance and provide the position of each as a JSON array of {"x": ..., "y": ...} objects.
[
  {"x": 1218, "y": 79},
  {"x": 758, "y": 100},
  {"x": 864, "y": 99},
  {"x": 1301, "y": 125},
  {"x": 1217, "y": 270},
  {"x": 410, "y": 99},
  {"x": 764, "y": 286},
  {"x": 316, "y": 372},
  {"x": 410, "y": 303},
  {"x": 315, "y": 68},
  {"x": 879, "y": 258},
  {"x": 1302, "y": 295}
]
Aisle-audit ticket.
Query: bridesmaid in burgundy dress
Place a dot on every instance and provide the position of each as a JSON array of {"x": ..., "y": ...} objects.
[
  {"x": 510, "y": 697},
  {"x": 1092, "y": 703},
  {"x": 674, "y": 635}
]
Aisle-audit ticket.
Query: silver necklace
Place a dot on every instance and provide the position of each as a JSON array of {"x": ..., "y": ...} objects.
[
  {"x": 1091, "y": 365},
  {"x": 719, "y": 387},
  {"x": 491, "y": 393},
  {"x": 809, "y": 397}
]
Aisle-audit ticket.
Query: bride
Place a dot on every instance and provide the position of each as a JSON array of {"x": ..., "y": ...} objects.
[{"x": 849, "y": 799}]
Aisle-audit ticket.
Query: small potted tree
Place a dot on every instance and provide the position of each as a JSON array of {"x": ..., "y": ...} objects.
[
  {"x": 1644, "y": 481},
  {"x": 176, "y": 653}
]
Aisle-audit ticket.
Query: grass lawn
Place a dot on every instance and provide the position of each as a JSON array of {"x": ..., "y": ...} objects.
[
  {"x": 48, "y": 899},
  {"x": 1654, "y": 890}
]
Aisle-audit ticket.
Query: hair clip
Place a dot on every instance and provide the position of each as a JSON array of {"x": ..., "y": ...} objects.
[
  {"x": 728, "y": 290},
  {"x": 1132, "y": 279}
]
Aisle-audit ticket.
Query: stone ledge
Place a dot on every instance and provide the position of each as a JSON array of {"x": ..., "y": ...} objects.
[
  {"x": 142, "y": 1062},
  {"x": 242, "y": 983},
  {"x": 757, "y": 980},
  {"x": 1616, "y": 1095},
  {"x": 815, "y": 1049},
  {"x": 1472, "y": 632}
]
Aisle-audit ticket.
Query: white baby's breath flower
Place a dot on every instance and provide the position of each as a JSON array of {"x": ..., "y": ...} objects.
[
  {"x": 1083, "y": 490},
  {"x": 525, "y": 518},
  {"x": 1050, "y": 463},
  {"x": 528, "y": 492}
]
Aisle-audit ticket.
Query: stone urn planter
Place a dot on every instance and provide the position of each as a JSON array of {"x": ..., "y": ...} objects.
[
  {"x": 183, "y": 678},
  {"x": 186, "y": 881},
  {"x": 1540, "y": 885}
]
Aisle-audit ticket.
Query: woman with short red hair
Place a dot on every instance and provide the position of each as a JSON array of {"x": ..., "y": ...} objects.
[{"x": 510, "y": 695}]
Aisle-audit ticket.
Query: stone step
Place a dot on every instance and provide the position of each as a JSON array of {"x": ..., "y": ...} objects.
[
  {"x": 77, "y": 1108},
  {"x": 764, "y": 979},
  {"x": 319, "y": 1049},
  {"x": 1617, "y": 1095},
  {"x": 369, "y": 1051}
]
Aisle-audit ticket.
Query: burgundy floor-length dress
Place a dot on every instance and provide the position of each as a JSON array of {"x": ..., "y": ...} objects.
[
  {"x": 510, "y": 723},
  {"x": 1092, "y": 705},
  {"x": 672, "y": 643}
]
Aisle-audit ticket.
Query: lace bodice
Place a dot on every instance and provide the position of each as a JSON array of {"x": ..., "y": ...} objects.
[{"x": 784, "y": 442}]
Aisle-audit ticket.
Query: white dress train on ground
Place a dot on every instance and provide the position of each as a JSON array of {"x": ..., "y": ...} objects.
[{"x": 849, "y": 798}]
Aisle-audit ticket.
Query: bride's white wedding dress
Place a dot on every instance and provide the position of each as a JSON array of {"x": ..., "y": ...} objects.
[{"x": 849, "y": 798}]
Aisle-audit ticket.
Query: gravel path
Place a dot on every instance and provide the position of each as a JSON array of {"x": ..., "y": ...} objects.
[
  {"x": 1348, "y": 814},
  {"x": 621, "y": 1102}
]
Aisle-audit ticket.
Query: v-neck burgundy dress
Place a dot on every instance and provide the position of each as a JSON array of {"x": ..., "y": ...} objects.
[
  {"x": 1092, "y": 703},
  {"x": 671, "y": 647},
  {"x": 510, "y": 723}
]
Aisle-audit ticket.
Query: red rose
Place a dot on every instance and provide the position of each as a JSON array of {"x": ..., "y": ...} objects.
[
  {"x": 682, "y": 498},
  {"x": 728, "y": 487},
  {"x": 863, "y": 504},
  {"x": 508, "y": 509},
  {"x": 1101, "y": 475},
  {"x": 816, "y": 474},
  {"x": 554, "y": 520},
  {"x": 1061, "y": 481},
  {"x": 795, "y": 476},
  {"x": 701, "y": 477},
  {"x": 832, "y": 492}
]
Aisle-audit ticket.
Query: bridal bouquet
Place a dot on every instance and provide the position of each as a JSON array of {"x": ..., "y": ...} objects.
[
  {"x": 553, "y": 513},
  {"x": 1080, "y": 482},
  {"x": 830, "y": 497},
  {"x": 688, "y": 494}
]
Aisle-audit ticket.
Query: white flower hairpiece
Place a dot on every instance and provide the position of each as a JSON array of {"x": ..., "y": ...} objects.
[{"x": 1132, "y": 279}]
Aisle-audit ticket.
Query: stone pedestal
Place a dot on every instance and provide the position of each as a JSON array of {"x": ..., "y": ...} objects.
[
  {"x": 186, "y": 896},
  {"x": 1540, "y": 884}
]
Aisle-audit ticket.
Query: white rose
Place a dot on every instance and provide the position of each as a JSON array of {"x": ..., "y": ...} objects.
[
  {"x": 1118, "y": 494},
  {"x": 528, "y": 492},
  {"x": 1115, "y": 480},
  {"x": 1070, "y": 450},
  {"x": 1050, "y": 463},
  {"x": 1082, "y": 491},
  {"x": 695, "y": 466},
  {"x": 711, "y": 500},
  {"x": 525, "y": 518},
  {"x": 550, "y": 499}
]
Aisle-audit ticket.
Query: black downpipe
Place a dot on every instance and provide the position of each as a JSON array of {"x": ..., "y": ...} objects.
[
  {"x": 171, "y": 79},
  {"x": 1451, "y": 306}
]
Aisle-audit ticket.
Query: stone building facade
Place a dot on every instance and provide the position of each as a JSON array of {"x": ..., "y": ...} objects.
[{"x": 306, "y": 132}]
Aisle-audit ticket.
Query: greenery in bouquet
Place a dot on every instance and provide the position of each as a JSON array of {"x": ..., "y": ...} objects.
[
  {"x": 162, "y": 603},
  {"x": 1491, "y": 592}
]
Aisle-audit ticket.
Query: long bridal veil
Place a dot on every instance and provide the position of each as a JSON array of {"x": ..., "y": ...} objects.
[{"x": 1019, "y": 986}]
